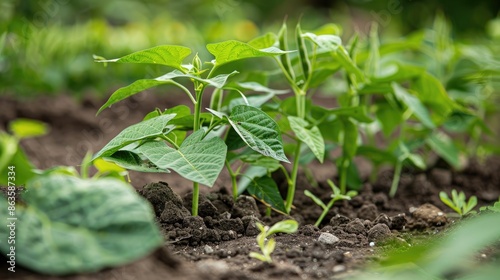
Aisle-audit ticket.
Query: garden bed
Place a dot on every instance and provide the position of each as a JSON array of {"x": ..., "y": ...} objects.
[{"x": 216, "y": 244}]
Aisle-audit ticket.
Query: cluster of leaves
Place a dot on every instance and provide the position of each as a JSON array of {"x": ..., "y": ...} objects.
[
  {"x": 458, "y": 202},
  {"x": 410, "y": 92}
]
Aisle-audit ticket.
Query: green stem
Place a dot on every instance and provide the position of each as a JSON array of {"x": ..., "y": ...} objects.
[
  {"x": 325, "y": 211},
  {"x": 233, "y": 176},
  {"x": 293, "y": 179},
  {"x": 196, "y": 126},
  {"x": 343, "y": 176},
  {"x": 196, "y": 197},
  {"x": 397, "y": 176}
]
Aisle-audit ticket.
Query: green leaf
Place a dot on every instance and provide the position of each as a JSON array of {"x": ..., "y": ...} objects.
[
  {"x": 262, "y": 42},
  {"x": 232, "y": 50},
  {"x": 327, "y": 42},
  {"x": 432, "y": 93},
  {"x": 68, "y": 225},
  {"x": 315, "y": 199},
  {"x": 250, "y": 173},
  {"x": 11, "y": 154},
  {"x": 389, "y": 118},
  {"x": 442, "y": 145},
  {"x": 414, "y": 104},
  {"x": 358, "y": 113},
  {"x": 311, "y": 137},
  {"x": 197, "y": 159},
  {"x": 168, "y": 55},
  {"x": 259, "y": 131},
  {"x": 218, "y": 81},
  {"x": 26, "y": 128},
  {"x": 265, "y": 188},
  {"x": 286, "y": 226},
  {"x": 151, "y": 128},
  {"x": 377, "y": 156},
  {"x": 132, "y": 161}
]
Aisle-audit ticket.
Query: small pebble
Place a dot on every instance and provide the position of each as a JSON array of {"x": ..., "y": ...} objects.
[
  {"x": 338, "y": 268},
  {"x": 328, "y": 238},
  {"x": 372, "y": 244},
  {"x": 208, "y": 249}
]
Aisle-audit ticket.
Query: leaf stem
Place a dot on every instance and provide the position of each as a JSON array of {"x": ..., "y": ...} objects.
[
  {"x": 343, "y": 175},
  {"x": 395, "y": 180},
  {"x": 293, "y": 181},
  {"x": 233, "y": 176},
  {"x": 196, "y": 126},
  {"x": 183, "y": 88}
]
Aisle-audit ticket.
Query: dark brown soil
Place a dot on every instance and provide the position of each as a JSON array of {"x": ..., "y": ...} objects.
[{"x": 216, "y": 244}]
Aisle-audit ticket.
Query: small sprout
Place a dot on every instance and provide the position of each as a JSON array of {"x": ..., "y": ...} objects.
[
  {"x": 458, "y": 202},
  {"x": 267, "y": 248},
  {"x": 493, "y": 208},
  {"x": 336, "y": 196}
]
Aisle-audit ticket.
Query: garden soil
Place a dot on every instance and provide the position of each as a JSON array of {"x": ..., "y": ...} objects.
[{"x": 216, "y": 244}]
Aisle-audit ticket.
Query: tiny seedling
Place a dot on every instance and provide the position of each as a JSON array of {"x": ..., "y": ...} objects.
[
  {"x": 336, "y": 196},
  {"x": 493, "y": 208},
  {"x": 267, "y": 248},
  {"x": 458, "y": 202}
]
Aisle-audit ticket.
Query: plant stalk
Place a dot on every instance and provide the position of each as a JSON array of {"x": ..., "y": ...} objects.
[
  {"x": 395, "y": 180},
  {"x": 293, "y": 179},
  {"x": 343, "y": 176},
  {"x": 196, "y": 126},
  {"x": 325, "y": 211}
]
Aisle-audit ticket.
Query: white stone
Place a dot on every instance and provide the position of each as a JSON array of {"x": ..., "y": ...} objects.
[{"x": 328, "y": 238}]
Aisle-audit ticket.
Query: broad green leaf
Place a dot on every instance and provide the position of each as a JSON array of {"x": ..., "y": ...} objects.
[
  {"x": 250, "y": 173},
  {"x": 316, "y": 199},
  {"x": 358, "y": 113},
  {"x": 232, "y": 50},
  {"x": 389, "y": 118},
  {"x": 68, "y": 225},
  {"x": 197, "y": 159},
  {"x": 350, "y": 138},
  {"x": 265, "y": 188},
  {"x": 414, "y": 104},
  {"x": 11, "y": 154},
  {"x": 286, "y": 226},
  {"x": 327, "y": 42},
  {"x": 416, "y": 160},
  {"x": 311, "y": 137},
  {"x": 147, "y": 129},
  {"x": 377, "y": 156},
  {"x": 442, "y": 145},
  {"x": 261, "y": 88},
  {"x": 259, "y": 131},
  {"x": 131, "y": 161},
  {"x": 396, "y": 72},
  {"x": 265, "y": 41},
  {"x": 168, "y": 55},
  {"x": 25, "y": 128},
  {"x": 257, "y": 159},
  {"x": 432, "y": 93},
  {"x": 105, "y": 166},
  {"x": 141, "y": 85}
]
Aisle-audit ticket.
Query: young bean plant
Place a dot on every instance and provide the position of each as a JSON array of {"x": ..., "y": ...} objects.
[
  {"x": 458, "y": 202},
  {"x": 336, "y": 196},
  {"x": 159, "y": 143},
  {"x": 267, "y": 246}
]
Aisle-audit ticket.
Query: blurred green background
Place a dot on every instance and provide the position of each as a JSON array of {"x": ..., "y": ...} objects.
[{"x": 46, "y": 46}]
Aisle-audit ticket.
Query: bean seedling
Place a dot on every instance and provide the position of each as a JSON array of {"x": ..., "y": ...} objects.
[
  {"x": 458, "y": 202},
  {"x": 267, "y": 246},
  {"x": 336, "y": 196}
]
